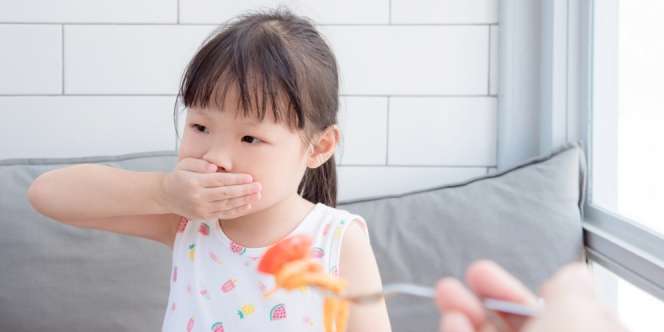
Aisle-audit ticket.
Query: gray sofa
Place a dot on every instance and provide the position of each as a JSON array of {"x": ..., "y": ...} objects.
[{"x": 57, "y": 277}]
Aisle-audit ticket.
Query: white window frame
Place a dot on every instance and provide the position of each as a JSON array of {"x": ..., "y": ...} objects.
[{"x": 551, "y": 42}]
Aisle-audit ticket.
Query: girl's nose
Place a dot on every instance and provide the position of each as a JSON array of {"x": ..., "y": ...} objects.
[{"x": 220, "y": 155}]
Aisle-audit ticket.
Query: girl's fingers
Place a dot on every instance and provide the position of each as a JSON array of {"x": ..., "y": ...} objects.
[
  {"x": 196, "y": 165},
  {"x": 232, "y": 213},
  {"x": 232, "y": 203},
  {"x": 220, "y": 179},
  {"x": 223, "y": 193},
  {"x": 452, "y": 296}
]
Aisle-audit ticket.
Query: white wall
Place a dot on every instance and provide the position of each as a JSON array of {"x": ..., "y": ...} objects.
[{"x": 418, "y": 81}]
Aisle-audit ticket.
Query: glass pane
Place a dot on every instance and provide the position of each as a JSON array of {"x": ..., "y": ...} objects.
[
  {"x": 628, "y": 110},
  {"x": 636, "y": 309}
]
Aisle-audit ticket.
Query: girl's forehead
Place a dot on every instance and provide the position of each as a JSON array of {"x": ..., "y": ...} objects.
[{"x": 252, "y": 118}]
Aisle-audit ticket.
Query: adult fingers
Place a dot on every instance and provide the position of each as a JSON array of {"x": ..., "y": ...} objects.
[
  {"x": 454, "y": 321},
  {"x": 487, "y": 279},
  {"x": 574, "y": 278},
  {"x": 452, "y": 296}
]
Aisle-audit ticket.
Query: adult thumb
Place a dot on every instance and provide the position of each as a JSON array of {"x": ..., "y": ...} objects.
[{"x": 574, "y": 279}]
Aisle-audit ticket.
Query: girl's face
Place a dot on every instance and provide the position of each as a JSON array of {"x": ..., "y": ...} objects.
[{"x": 271, "y": 153}]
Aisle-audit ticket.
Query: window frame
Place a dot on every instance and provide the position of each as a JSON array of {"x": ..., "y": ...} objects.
[{"x": 558, "y": 37}]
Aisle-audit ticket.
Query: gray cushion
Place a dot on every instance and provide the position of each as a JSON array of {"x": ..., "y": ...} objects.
[
  {"x": 57, "y": 277},
  {"x": 61, "y": 278},
  {"x": 527, "y": 218}
]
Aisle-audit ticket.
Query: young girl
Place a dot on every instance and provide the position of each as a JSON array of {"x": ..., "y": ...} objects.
[{"x": 255, "y": 165}]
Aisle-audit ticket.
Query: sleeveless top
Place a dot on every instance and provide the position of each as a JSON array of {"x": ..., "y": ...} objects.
[{"x": 215, "y": 285}]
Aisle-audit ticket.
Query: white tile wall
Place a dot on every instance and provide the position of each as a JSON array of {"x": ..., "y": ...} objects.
[
  {"x": 411, "y": 60},
  {"x": 320, "y": 11},
  {"x": 445, "y": 11},
  {"x": 418, "y": 81},
  {"x": 30, "y": 59},
  {"x": 442, "y": 131},
  {"x": 89, "y": 11},
  {"x": 64, "y": 126}
]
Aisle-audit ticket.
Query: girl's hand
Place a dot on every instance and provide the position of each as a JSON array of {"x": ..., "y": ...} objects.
[{"x": 197, "y": 191}]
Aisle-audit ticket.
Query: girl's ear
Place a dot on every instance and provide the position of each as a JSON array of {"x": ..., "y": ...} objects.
[{"x": 323, "y": 146}]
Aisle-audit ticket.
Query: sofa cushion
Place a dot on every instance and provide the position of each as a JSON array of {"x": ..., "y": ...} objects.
[
  {"x": 527, "y": 218},
  {"x": 62, "y": 278},
  {"x": 57, "y": 277}
]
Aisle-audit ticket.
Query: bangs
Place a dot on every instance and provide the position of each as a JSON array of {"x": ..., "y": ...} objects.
[{"x": 254, "y": 65}]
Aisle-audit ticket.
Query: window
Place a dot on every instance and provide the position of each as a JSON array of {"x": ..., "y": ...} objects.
[{"x": 626, "y": 152}]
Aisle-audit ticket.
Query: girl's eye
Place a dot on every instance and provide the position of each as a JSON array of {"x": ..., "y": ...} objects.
[
  {"x": 198, "y": 127},
  {"x": 250, "y": 138}
]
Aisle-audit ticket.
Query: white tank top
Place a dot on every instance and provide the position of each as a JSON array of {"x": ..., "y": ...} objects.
[{"x": 215, "y": 286}]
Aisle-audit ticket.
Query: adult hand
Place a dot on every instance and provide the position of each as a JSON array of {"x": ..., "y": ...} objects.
[{"x": 570, "y": 302}]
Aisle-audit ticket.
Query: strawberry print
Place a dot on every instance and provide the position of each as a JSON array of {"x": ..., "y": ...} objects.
[
  {"x": 204, "y": 229},
  {"x": 317, "y": 252},
  {"x": 214, "y": 257},
  {"x": 326, "y": 229},
  {"x": 190, "y": 324},
  {"x": 182, "y": 224},
  {"x": 237, "y": 249}
]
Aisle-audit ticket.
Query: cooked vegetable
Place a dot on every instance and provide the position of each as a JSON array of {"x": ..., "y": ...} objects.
[{"x": 289, "y": 262}]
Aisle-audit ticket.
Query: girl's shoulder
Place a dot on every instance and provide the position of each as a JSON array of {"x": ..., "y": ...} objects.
[{"x": 345, "y": 217}]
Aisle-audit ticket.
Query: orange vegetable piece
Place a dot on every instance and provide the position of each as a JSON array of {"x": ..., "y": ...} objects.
[
  {"x": 292, "y": 268},
  {"x": 287, "y": 250}
]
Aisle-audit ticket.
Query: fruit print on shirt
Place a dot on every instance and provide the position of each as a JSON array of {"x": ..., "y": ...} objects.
[
  {"x": 246, "y": 310},
  {"x": 204, "y": 229},
  {"x": 217, "y": 327},
  {"x": 278, "y": 312},
  {"x": 237, "y": 249}
]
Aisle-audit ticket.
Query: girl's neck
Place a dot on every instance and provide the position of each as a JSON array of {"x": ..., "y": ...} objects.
[{"x": 269, "y": 225}]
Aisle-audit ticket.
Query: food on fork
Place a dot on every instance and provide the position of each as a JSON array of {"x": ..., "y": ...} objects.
[{"x": 290, "y": 262}]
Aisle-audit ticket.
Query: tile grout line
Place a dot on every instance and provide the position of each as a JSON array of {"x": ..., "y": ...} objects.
[
  {"x": 212, "y": 24},
  {"x": 387, "y": 133},
  {"x": 488, "y": 81},
  {"x": 389, "y": 12},
  {"x": 173, "y": 95},
  {"x": 62, "y": 32},
  {"x": 417, "y": 166}
]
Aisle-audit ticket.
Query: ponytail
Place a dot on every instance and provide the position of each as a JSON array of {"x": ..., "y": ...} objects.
[{"x": 320, "y": 184}]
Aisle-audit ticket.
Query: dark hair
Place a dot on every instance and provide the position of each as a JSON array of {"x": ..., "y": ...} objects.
[{"x": 278, "y": 57}]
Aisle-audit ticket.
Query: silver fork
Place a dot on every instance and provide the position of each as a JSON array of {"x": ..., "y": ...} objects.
[{"x": 428, "y": 292}]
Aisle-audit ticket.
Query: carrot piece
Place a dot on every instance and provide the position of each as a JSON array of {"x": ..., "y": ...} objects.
[
  {"x": 329, "y": 310},
  {"x": 342, "y": 316}
]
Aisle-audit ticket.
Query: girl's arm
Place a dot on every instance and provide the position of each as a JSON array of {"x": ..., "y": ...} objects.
[
  {"x": 359, "y": 268},
  {"x": 91, "y": 191},
  {"x": 105, "y": 198}
]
